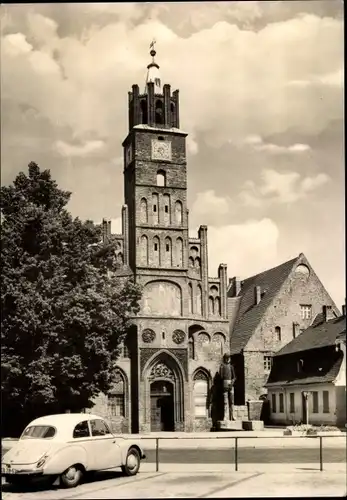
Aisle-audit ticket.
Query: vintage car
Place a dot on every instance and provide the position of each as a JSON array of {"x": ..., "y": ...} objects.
[{"x": 68, "y": 446}]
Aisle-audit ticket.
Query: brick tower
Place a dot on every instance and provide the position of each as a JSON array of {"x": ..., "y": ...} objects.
[{"x": 179, "y": 301}]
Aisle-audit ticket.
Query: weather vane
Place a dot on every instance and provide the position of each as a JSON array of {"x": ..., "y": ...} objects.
[{"x": 153, "y": 42}]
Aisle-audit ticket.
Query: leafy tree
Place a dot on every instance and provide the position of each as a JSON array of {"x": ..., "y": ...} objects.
[{"x": 64, "y": 314}]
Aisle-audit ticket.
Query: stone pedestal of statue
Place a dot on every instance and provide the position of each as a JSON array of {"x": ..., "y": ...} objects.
[{"x": 228, "y": 423}]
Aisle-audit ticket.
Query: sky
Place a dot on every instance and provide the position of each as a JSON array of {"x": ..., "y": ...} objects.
[{"x": 261, "y": 97}]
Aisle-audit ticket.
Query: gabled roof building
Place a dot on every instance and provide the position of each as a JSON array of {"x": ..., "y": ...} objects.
[
  {"x": 307, "y": 382},
  {"x": 266, "y": 312}
]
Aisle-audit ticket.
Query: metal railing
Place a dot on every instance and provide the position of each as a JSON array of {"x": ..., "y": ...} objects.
[{"x": 236, "y": 442}]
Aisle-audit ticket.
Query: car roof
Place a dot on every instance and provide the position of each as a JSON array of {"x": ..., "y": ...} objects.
[{"x": 66, "y": 419}]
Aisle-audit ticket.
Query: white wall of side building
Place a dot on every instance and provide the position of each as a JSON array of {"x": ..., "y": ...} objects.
[{"x": 288, "y": 417}]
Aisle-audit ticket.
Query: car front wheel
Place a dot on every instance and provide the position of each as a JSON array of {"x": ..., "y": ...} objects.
[
  {"x": 71, "y": 477},
  {"x": 132, "y": 463}
]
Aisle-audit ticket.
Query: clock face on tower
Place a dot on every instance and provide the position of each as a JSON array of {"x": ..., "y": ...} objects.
[{"x": 161, "y": 150}]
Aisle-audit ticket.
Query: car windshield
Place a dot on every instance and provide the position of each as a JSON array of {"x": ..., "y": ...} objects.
[{"x": 39, "y": 432}]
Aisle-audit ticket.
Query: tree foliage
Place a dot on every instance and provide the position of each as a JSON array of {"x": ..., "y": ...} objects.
[{"x": 64, "y": 314}]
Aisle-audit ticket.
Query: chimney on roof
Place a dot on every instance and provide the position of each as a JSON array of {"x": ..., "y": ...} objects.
[
  {"x": 234, "y": 287},
  {"x": 343, "y": 309},
  {"x": 257, "y": 294},
  {"x": 328, "y": 313}
]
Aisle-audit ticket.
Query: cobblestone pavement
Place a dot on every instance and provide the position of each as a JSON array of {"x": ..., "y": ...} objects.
[{"x": 297, "y": 481}]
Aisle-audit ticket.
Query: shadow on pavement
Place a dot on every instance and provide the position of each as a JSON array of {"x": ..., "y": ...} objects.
[
  {"x": 307, "y": 468},
  {"x": 180, "y": 479},
  {"x": 44, "y": 485}
]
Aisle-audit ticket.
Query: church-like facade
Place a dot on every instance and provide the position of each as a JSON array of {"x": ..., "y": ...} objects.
[
  {"x": 176, "y": 345},
  {"x": 167, "y": 375}
]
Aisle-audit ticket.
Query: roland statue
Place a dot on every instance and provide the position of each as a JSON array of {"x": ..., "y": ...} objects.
[{"x": 228, "y": 377}]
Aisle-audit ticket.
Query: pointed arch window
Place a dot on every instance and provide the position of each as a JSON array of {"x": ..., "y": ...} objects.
[
  {"x": 191, "y": 353},
  {"x": 144, "y": 112},
  {"x": 218, "y": 341},
  {"x": 144, "y": 250},
  {"x": 155, "y": 206},
  {"x": 161, "y": 178},
  {"x": 166, "y": 215},
  {"x": 178, "y": 213},
  {"x": 199, "y": 300},
  {"x": 156, "y": 251},
  {"x": 143, "y": 211},
  {"x": 159, "y": 112},
  {"x": 217, "y": 306},
  {"x": 200, "y": 394},
  {"x": 173, "y": 112},
  {"x": 116, "y": 397},
  {"x": 179, "y": 252},
  {"x": 168, "y": 252},
  {"x": 211, "y": 306},
  {"x": 190, "y": 299}
]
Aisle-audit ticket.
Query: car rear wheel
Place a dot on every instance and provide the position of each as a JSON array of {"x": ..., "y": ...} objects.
[
  {"x": 71, "y": 477},
  {"x": 132, "y": 463}
]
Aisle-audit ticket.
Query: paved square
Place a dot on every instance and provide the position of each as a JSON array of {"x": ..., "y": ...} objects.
[{"x": 299, "y": 481}]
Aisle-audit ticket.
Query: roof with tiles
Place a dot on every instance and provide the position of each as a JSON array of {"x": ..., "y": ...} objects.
[
  {"x": 318, "y": 319},
  {"x": 317, "y": 335},
  {"x": 249, "y": 314},
  {"x": 316, "y": 349},
  {"x": 289, "y": 375},
  {"x": 233, "y": 304}
]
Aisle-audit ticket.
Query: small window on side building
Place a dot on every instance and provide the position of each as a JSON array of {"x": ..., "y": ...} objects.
[
  {"x": 325, "y": 401},
  {"x": 273, "y": 403},
  {"x": 306, "y": 311},
  {"x": 281, "y": 405},
  {"x": 267, "y": 363},
  {"x": 278, "y": 333},
  {"x": 314, "y": 402}
]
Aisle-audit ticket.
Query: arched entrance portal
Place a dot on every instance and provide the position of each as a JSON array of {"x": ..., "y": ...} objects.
[
  {"x": 163, "y": 393},
  {"x": 162, "y": 406}
]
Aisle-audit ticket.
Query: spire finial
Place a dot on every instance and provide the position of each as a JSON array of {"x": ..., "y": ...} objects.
[
  {"x": 153, "y": 51},
  {"x": 153, "y": 75}
]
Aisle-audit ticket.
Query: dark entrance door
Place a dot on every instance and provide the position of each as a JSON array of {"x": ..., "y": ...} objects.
[{"x": 162, "y": 406}]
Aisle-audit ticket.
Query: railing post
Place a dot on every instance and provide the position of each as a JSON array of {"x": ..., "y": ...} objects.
[
  {"x": 321, "y": 452},
  {"x": 157, "y": 454},
  {"x": 236, "y": 457}
]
